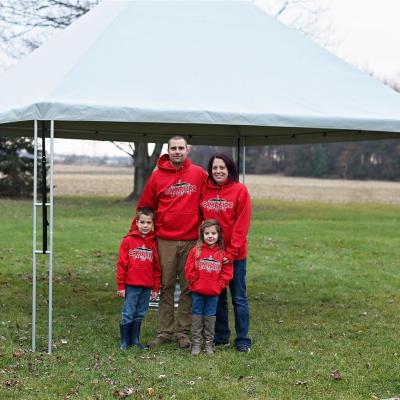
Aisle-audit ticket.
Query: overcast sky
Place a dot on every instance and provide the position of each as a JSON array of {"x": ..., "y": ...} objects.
[{"x": 365, "y": 33}]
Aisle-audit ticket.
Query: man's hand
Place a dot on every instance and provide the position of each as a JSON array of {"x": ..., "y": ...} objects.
[
  {"x": 153, "y": 295},
  {"x": 121, "y": 293}
]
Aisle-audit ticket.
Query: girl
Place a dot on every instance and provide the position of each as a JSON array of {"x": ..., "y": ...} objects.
[{"x": 207, "y": 275}]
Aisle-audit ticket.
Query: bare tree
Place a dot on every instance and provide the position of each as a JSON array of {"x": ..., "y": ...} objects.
[
  {"x": 143, "y": 162},
  {"x": 304, "y": 15},
  {"x": 25, "y": 24}
]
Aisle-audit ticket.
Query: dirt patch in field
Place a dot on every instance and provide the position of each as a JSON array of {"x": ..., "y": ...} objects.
[{"x": 85, "y": 180}]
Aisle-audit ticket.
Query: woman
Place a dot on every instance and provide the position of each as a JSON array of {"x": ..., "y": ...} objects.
[{"x": 227, "y": 200}]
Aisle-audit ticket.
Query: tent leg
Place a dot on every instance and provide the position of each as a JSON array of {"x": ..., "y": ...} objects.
[
  {"x": 241, "y": 155},
  {"x": 35, "y": 166},
  {"x": 244, "y": 161},
  {"x": 51, "y": 237},
  {"x": 238, "y": 144}
]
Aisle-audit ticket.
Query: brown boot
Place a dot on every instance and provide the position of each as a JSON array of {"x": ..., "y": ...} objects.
[
  {"x": 183, "y": 341},
  {"x": 159, "y": 340},
  {"x": 197, "y": 334},
  {"x": 209, "y": 332}
]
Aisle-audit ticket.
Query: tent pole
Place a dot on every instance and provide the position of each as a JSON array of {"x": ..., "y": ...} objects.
[
  {"x": 51, "y": 236},
  {"x": 244, "y": 160},
  {"x": 234, "y": 144},
  {"x": 35, "y": 166},
  {"x": 238, "y": 153}
]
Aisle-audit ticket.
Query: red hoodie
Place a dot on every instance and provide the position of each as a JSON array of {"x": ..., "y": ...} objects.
[
  {"x": 206, "y": 274},
  {"x": 230, "y": 205},
  {"x": 138, "y": 263},
  {"x": 175, "y": 195}
]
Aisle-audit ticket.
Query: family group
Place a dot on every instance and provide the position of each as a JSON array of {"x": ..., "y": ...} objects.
[{"x": 191, "y": 226}]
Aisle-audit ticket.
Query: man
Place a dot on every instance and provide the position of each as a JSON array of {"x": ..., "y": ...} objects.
[{"x": 173, "y": 191}]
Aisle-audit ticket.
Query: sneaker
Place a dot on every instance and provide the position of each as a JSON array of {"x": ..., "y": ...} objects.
[
  {"x": 243, "y": 349},
  {"x": 158, "y": 341},
  {"x": 183, "y": 342}
]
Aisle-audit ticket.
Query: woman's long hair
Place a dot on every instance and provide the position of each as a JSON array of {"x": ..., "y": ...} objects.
[
  {"x": 208, "y": 223},
  {"x": 233, "y": 174}
]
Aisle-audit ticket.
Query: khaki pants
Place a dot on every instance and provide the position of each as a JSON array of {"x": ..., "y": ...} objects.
[{"x": 173, "y": 254}]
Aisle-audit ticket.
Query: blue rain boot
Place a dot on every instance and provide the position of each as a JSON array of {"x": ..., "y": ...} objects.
[
  {"x": 126, "y": 333},
  {"x": 136, "y": 325}
]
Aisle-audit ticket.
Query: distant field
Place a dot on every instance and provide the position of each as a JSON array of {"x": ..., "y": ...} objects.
[{"x": 106, "y": 181}]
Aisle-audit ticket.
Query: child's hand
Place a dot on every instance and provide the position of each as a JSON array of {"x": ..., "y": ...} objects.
[
  {"x": 225, "y": 260},
  {"x": 121, "y": 293},
  {"x": 153, "y": 295}
]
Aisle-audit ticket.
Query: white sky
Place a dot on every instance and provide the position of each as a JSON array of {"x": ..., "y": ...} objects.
[{"x": 366, "y": 33}]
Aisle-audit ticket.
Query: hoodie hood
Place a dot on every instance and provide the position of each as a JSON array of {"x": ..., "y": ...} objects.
[
  {"x": 164, "y": 164},
  {"x": 134, "y": 231},
  {"x": 215, "y": 186}
]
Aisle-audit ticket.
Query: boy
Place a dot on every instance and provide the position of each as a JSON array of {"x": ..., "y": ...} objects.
[{"x": 138, "y": 276}]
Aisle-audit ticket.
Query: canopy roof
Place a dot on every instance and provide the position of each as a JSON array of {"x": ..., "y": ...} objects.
[{"x": 212, "y": 70}]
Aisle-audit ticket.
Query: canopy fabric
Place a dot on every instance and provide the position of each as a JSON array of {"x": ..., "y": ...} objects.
[{"x": 213, "y": 70}]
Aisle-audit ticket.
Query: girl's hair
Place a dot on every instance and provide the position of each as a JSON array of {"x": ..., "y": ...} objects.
[
  {"x": 208, "y": 223},
  {"x": 233, "y": 174}
]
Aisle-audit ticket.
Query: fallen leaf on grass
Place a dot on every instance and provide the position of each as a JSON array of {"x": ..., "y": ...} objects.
[
  {"x": 336, "y": 375},
  {"x": 150, "y": 391},
  {"x": 12, "y": 383},
  {"x": 122, "y": 394},
  {"x": 299, "y": 383},
  {"x": 18, "y": 353},
  {"x": 64, "y": 341},
  {"x": 245, "y": 377}
]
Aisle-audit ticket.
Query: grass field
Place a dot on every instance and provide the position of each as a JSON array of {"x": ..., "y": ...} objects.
[{"x": 323, "y": 283}]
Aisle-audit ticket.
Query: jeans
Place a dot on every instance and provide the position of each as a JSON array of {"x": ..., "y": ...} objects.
[
  {"x": 136, "y": 304},
  {"x": 240, "y": 304},
  {"x": 205, "y": 306}
]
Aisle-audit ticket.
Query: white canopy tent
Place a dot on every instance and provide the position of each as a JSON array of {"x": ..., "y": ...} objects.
[
  {"x": 218, "y": 72},
  {"x": 213, "y": 70}
]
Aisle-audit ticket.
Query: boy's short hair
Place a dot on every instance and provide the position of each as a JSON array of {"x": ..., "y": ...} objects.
[{"x": 147, "y": 211}]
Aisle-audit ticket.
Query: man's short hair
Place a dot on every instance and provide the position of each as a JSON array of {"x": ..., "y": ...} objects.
[
  {"x": 147, "y": 211},
  {"x": 177, "y": 137}
]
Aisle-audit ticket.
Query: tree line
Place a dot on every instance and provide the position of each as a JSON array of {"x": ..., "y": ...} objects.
[{"x": 377, "y": 160}]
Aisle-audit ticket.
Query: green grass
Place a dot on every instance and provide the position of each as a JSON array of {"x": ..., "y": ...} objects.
[{"x": 323, "y": 284}]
